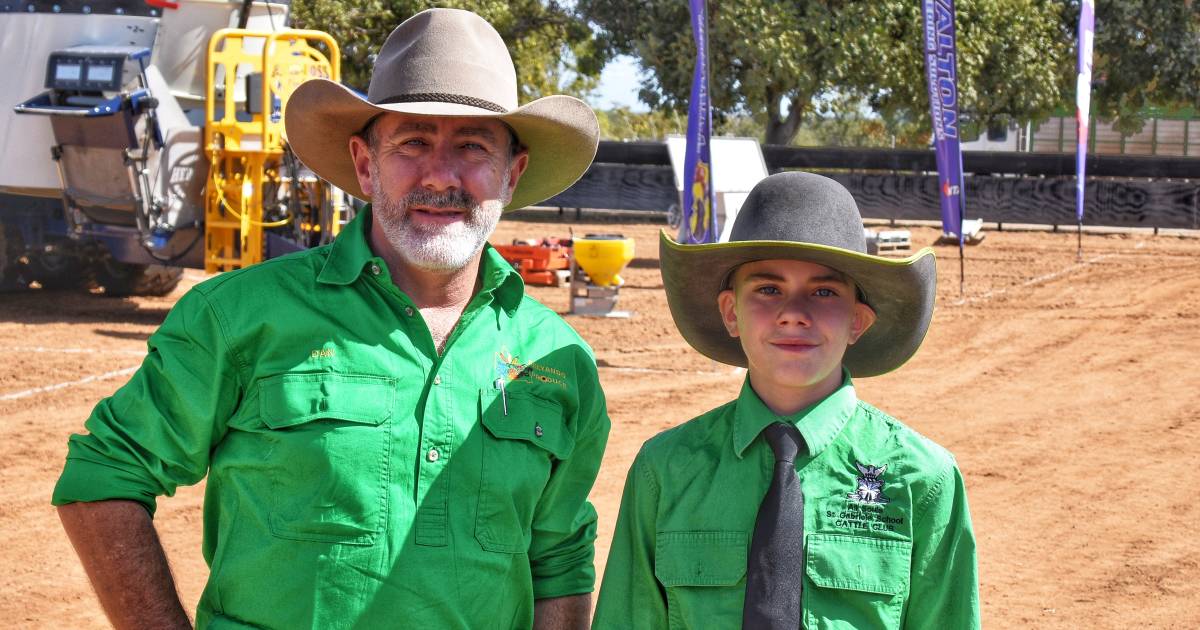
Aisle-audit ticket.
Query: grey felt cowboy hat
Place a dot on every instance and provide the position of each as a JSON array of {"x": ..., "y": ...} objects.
[
  {"x": 444, "y": 62},
  {"x": 802, "y": 216}
]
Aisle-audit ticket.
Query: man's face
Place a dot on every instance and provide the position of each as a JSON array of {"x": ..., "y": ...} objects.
[
  {"x": 795, "y": 320},
  {"x": 437, "y": 185}
]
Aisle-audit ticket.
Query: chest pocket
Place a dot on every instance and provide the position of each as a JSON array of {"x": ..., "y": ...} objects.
[
  {"x": 855, "y": 581},
  {"x": 703, "y": 573},
  {"x": 328, "y": 458},
  {"x": 523, "y": 436}
]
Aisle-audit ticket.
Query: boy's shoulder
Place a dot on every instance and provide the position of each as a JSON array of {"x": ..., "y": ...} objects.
[
  {"x": 877, "y": 428},
  {"x": 708, "y": 431}
]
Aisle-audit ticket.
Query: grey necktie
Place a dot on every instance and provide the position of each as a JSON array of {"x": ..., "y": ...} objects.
[{"x": 775, "y": 569}]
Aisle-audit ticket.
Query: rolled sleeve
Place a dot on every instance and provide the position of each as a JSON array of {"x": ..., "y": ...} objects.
[
  {"x": 156, "y": 432},
  {"x": 562, "y": 550},
  {"x": 945, "y": 577}
]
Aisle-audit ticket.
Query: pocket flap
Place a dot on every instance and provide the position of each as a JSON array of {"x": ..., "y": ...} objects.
[
  {"x": 859, "y": 563},
  {"x": 523, "y": 416},
  {"x": 288, "y": 400},
  {"x": 703, "y": 558}
]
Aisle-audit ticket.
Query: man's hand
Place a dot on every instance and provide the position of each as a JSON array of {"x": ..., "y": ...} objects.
[
  {"x": 120, "y": 551},
  {"x": 573, "y": 612}
]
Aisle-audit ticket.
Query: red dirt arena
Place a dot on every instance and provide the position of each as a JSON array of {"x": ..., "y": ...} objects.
[{"x": 1068, "y": 389}]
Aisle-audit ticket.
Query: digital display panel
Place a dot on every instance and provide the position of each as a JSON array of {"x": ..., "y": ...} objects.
[
  {"x": 99, "y": 74},
  {"x": 67, "y": 72}
]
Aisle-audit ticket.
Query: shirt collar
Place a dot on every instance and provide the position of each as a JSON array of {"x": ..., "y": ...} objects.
[
  {"x": 350, "y": 254},
  {"x": 819, "y": 424},
  {"x": 500, "y": 279}
]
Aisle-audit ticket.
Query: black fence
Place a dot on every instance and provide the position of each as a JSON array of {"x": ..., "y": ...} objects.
[{"x": 1005, "y": 187}]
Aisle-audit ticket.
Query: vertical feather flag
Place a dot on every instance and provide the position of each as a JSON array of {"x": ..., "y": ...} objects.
[
  {"x": 1083, "y": 99},
  {"x": 941, "y": 71},
  {"x": 699, "y": 220}
]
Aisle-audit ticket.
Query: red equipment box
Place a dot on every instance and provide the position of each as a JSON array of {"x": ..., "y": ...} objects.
[{"x": 539, "y": 261}]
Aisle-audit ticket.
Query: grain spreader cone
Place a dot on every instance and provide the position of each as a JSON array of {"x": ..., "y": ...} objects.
[{"x": 603, "y": 256}]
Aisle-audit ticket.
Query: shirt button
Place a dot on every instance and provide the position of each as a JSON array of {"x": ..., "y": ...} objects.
[
  {"x": 433, "y": 455},
  {"x": 437, "y": 379},
  {"x": 375, "y": 270},
  {"x": 408, "y": 311}
]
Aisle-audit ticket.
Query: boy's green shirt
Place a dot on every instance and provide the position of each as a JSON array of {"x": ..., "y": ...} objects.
[
  {"x": 357, "y": 477},
  {"x": 897, "y": 554}
]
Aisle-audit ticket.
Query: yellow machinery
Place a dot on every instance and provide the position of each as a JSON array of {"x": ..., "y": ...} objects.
[
  {"x": 596, "y": 262},
  {"x": 254, "y": 183},
  {"x": 603, "y": 257}
]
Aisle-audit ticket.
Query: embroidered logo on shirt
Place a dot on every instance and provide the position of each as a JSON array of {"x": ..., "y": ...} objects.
[
  {"x": 509, "y": 368},
  {"x": 870, "y": 486},
  {"x": 321, "y": 353}
]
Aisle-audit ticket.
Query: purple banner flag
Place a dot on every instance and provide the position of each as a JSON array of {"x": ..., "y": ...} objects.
[
  {"x": 1083, "y": 99},
  {"x": 942, "y": 82},
  {"x": 699, "y": 221}
]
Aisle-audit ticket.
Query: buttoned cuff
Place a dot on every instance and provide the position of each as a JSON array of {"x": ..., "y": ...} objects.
[{"x": 84, "y": 480}]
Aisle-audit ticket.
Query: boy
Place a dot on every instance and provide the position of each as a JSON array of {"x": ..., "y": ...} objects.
[{"x": 796, "y": 505}]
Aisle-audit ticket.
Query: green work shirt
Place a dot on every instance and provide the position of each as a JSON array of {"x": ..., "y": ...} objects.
[
  {"x": 357, "y": 478},
  {"x": 887, "y": 534}
]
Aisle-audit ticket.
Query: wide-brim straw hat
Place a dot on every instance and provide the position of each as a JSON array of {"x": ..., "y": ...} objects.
[
  {"x": 802, "y": 216},
  {"x": 444, "y": 62}
]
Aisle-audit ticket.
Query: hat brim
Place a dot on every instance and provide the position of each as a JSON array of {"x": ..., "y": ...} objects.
[
  {"x": 560, "y": 132},
  {"x": 900, "y": 291}
]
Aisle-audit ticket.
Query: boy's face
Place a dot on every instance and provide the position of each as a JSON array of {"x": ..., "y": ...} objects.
[{"x": 795, "y": 320}]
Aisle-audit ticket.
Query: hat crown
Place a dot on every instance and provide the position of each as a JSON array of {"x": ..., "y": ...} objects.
[
  {"x": 802, "y": 208},
  {"x": 445, "y": 55}
]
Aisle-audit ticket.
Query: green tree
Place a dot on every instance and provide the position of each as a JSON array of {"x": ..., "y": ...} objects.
[
  {"x": 1014, "y": 57},
  {"x": 785, "y": 61},
  {"x": 622, "y": 123},
  {"x": 1147, "y": 53},
  {"x": 554, "y": 50},
  {"x": 358, "y": 26}
]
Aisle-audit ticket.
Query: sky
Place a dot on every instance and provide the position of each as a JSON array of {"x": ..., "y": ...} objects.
[{"x": 619, "y": 85}]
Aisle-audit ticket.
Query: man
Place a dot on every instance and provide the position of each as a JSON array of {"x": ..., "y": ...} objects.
[{"x": 394, "y": 435}]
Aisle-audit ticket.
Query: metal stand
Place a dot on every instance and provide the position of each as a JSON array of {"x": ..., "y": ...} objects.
[
  {"x": 1079, "y": 241},
  {"x": 591, "y": 300}
]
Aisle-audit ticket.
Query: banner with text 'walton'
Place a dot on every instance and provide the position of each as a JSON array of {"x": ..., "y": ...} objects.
[{"x": 941, "y": 71}]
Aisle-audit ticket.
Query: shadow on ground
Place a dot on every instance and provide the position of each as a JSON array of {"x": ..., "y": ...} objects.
[{"x": 37, "y": 306}]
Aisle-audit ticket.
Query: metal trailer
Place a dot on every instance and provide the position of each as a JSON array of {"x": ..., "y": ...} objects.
[{"x": 144, "y": 136}]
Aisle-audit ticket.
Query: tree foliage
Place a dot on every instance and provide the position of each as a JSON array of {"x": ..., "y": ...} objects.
[
  {"x": 786, "y": 65},
  {"x": 1147, "y": 53},
  {"x": 787, "y": 62},
  {"x": 765, "y": 57},
  {"x": 553, "y": 49},
  {"x": 1014, "y": 59},
  {"x": 622, "y": 123}
]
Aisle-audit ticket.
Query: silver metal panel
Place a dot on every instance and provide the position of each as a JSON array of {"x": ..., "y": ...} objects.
[
  {"x": 26, "y": 41},
  {"x": 185, "y": 34}
]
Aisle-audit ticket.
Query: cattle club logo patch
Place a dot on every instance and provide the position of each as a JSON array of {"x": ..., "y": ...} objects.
[{"x": 870, "y": 486}]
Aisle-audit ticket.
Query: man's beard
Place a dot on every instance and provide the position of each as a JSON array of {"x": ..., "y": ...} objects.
[{"x": 439, "y": 248}]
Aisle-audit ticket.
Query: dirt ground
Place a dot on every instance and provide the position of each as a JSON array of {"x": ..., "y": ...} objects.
[{"x": 1068, "y": 390}]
